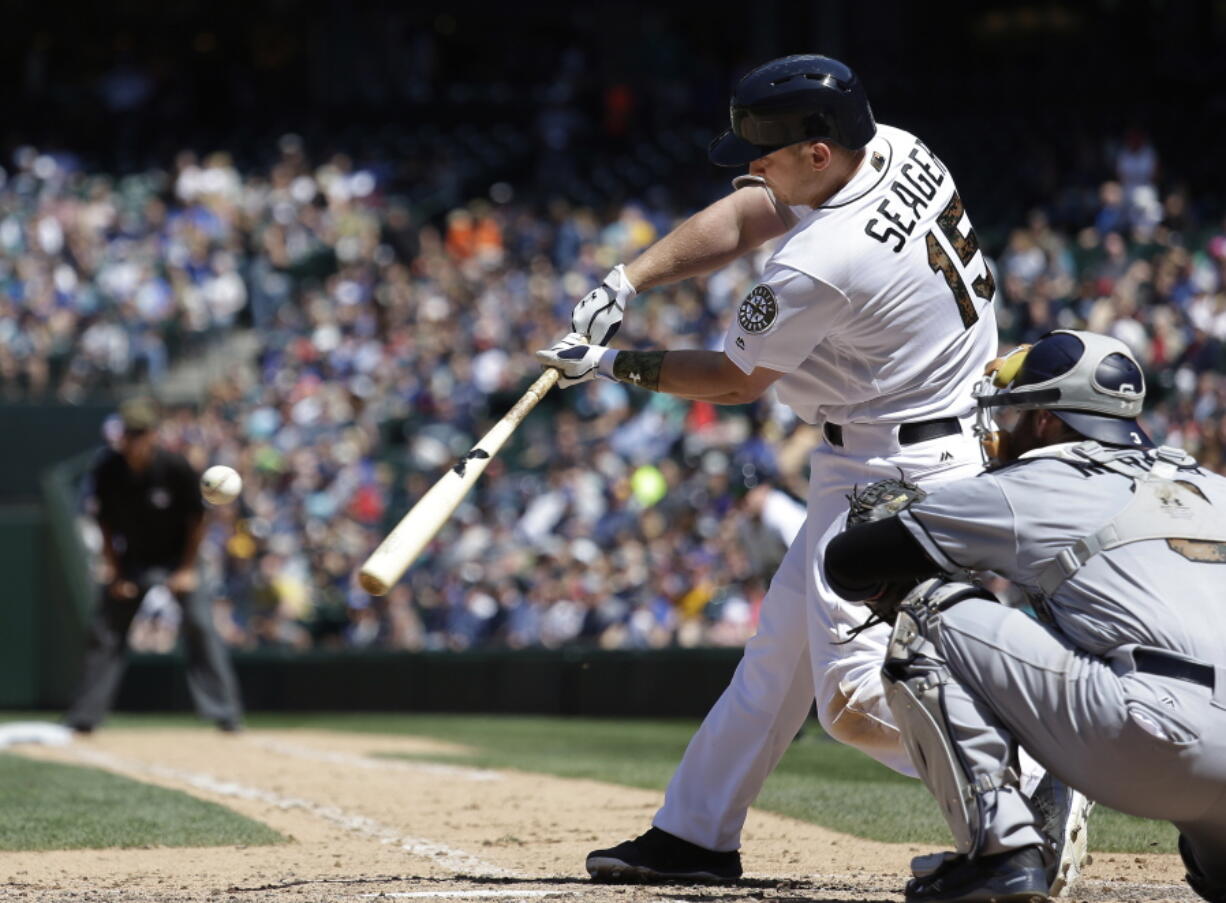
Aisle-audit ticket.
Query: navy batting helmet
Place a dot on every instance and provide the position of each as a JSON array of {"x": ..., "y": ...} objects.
[
  {"x": 795, "y": 98},
  {"x": 1091, "y": 382}
]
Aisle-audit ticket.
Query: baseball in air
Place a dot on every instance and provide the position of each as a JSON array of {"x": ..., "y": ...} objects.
[{"x": 220, "y": 485}]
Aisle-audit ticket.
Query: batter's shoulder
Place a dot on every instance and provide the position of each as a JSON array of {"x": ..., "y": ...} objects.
[{"x": 894, "y": 133}]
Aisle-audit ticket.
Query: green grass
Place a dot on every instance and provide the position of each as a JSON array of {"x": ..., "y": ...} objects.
[
  {"x": 818, "y": 781},
  {"x": 47, "y": 806}
]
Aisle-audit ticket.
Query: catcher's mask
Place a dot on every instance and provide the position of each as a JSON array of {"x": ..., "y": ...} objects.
[{"x": 1090, "y": 381}]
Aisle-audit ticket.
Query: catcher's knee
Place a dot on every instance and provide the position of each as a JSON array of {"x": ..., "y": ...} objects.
[{"x": 913, "y": 675}]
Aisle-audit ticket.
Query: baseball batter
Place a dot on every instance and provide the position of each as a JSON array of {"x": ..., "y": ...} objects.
[
  {"x": 873, "y": 317},
  {"x": 1121, "y": 690}
]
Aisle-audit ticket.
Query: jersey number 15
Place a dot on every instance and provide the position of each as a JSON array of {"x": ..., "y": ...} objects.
[{"x": 966, "y": 247}]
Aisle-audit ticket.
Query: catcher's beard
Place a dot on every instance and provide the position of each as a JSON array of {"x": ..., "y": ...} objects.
[{"x": 996, "y": 447}]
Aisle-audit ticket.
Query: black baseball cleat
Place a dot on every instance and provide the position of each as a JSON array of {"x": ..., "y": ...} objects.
[
  {"x": 1205, "y": 889},
  {"x": 1015, "y": 876},
  {"x": 1065, "y": 813},
  {"x": 658, "y": 857}
]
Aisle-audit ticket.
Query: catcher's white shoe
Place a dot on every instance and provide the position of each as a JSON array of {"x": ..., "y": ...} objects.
[{"x": 1066, "y": 816}]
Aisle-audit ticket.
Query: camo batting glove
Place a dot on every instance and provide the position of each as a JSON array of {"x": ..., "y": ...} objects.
[
  {"x": 599, "y": 313},
  {"x": 574, "y": 358}
]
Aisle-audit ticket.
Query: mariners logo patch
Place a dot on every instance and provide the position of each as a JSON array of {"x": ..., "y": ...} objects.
[{"x": 758, "y": 311}]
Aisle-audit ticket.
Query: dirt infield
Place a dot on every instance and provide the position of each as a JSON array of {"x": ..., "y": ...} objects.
[{"x": 366, "y": 828}]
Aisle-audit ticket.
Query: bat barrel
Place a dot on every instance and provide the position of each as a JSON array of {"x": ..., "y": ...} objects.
[
  {"x": 413, "y": 533},
  {"x": 372, "y": 584}
]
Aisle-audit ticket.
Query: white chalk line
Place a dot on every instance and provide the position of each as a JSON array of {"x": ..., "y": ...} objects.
[
  {"x": 370, "y": 762},
  {"x": 443, "y": 855},
  {"x": 467, "y": 894}
]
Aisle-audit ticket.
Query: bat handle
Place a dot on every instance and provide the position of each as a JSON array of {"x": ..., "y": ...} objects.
[{"x": 531, "y": 397}]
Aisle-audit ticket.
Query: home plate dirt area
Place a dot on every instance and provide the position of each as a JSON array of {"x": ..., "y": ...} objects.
[{"x": 362, "y": 827}]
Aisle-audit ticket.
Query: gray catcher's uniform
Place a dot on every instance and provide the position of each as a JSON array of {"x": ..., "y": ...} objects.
[{"x": 1122, "y": 693}]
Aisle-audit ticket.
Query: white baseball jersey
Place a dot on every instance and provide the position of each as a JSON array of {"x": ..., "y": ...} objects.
[{"x": 877, "y": 305}]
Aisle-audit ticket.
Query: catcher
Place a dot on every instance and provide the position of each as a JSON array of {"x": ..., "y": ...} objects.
[{"x": 1119, "y": 685}]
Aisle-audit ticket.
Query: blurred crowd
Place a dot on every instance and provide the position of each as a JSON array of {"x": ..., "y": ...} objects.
[
  {"x": 386, "y": 348},
  {"x": 102, "y": 281},
  {"x": 1142, "y": 259},
  {"x": 389, "y": 343}
]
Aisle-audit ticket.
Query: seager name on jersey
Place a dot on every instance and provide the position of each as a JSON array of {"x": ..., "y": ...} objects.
[{"x": 911, "y": 193}]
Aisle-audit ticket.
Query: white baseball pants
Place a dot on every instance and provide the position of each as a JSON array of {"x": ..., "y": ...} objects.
[{"x": 795, "y": 656}]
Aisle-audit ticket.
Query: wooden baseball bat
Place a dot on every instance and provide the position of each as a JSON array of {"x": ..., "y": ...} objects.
[{"x": 400, "y": 549}]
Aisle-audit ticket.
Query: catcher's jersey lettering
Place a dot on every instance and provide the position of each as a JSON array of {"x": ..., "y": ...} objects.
[{"x": 861, "y": 327}]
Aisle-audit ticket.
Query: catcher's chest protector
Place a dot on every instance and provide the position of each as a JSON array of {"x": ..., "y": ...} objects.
[{"x": 1161, "y": 508}]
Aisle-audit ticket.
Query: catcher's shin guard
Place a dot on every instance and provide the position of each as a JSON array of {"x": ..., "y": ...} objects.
[{"x": 914, "y": 676}]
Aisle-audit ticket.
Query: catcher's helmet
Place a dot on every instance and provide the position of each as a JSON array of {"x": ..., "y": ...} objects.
[
  {"x": 1090, "y": 381},
  {"x": 794, "y": 98}
]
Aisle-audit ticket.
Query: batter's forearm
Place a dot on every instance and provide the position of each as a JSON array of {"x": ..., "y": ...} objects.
[
  {"x": 696, "y": 247},
  {"x": 708, "y": 240},
  {"x": 693, "y": 375}
]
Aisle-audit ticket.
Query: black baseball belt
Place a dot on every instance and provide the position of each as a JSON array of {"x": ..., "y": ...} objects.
[
  {"x": 908, "y": 433},
  {"x": 1164, "y": 664}
]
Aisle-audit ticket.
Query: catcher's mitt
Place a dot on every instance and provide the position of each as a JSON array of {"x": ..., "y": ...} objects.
[
  {"x": 877, "y": 501},
  {"x": 882, "y": 499}
]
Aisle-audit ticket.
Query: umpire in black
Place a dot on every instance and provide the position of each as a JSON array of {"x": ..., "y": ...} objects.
[{"x": 149, "y": 509}]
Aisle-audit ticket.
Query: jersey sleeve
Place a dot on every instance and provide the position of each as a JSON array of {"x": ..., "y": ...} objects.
[
  {"x": 965, "y": 524},
  {"x": 782, "y": 319}
]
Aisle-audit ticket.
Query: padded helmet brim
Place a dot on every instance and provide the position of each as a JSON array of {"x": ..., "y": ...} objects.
[{"x": 1104, "y": 428}]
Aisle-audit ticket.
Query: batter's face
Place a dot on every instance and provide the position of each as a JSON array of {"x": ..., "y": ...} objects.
[{"x": 794, "y": 174}]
